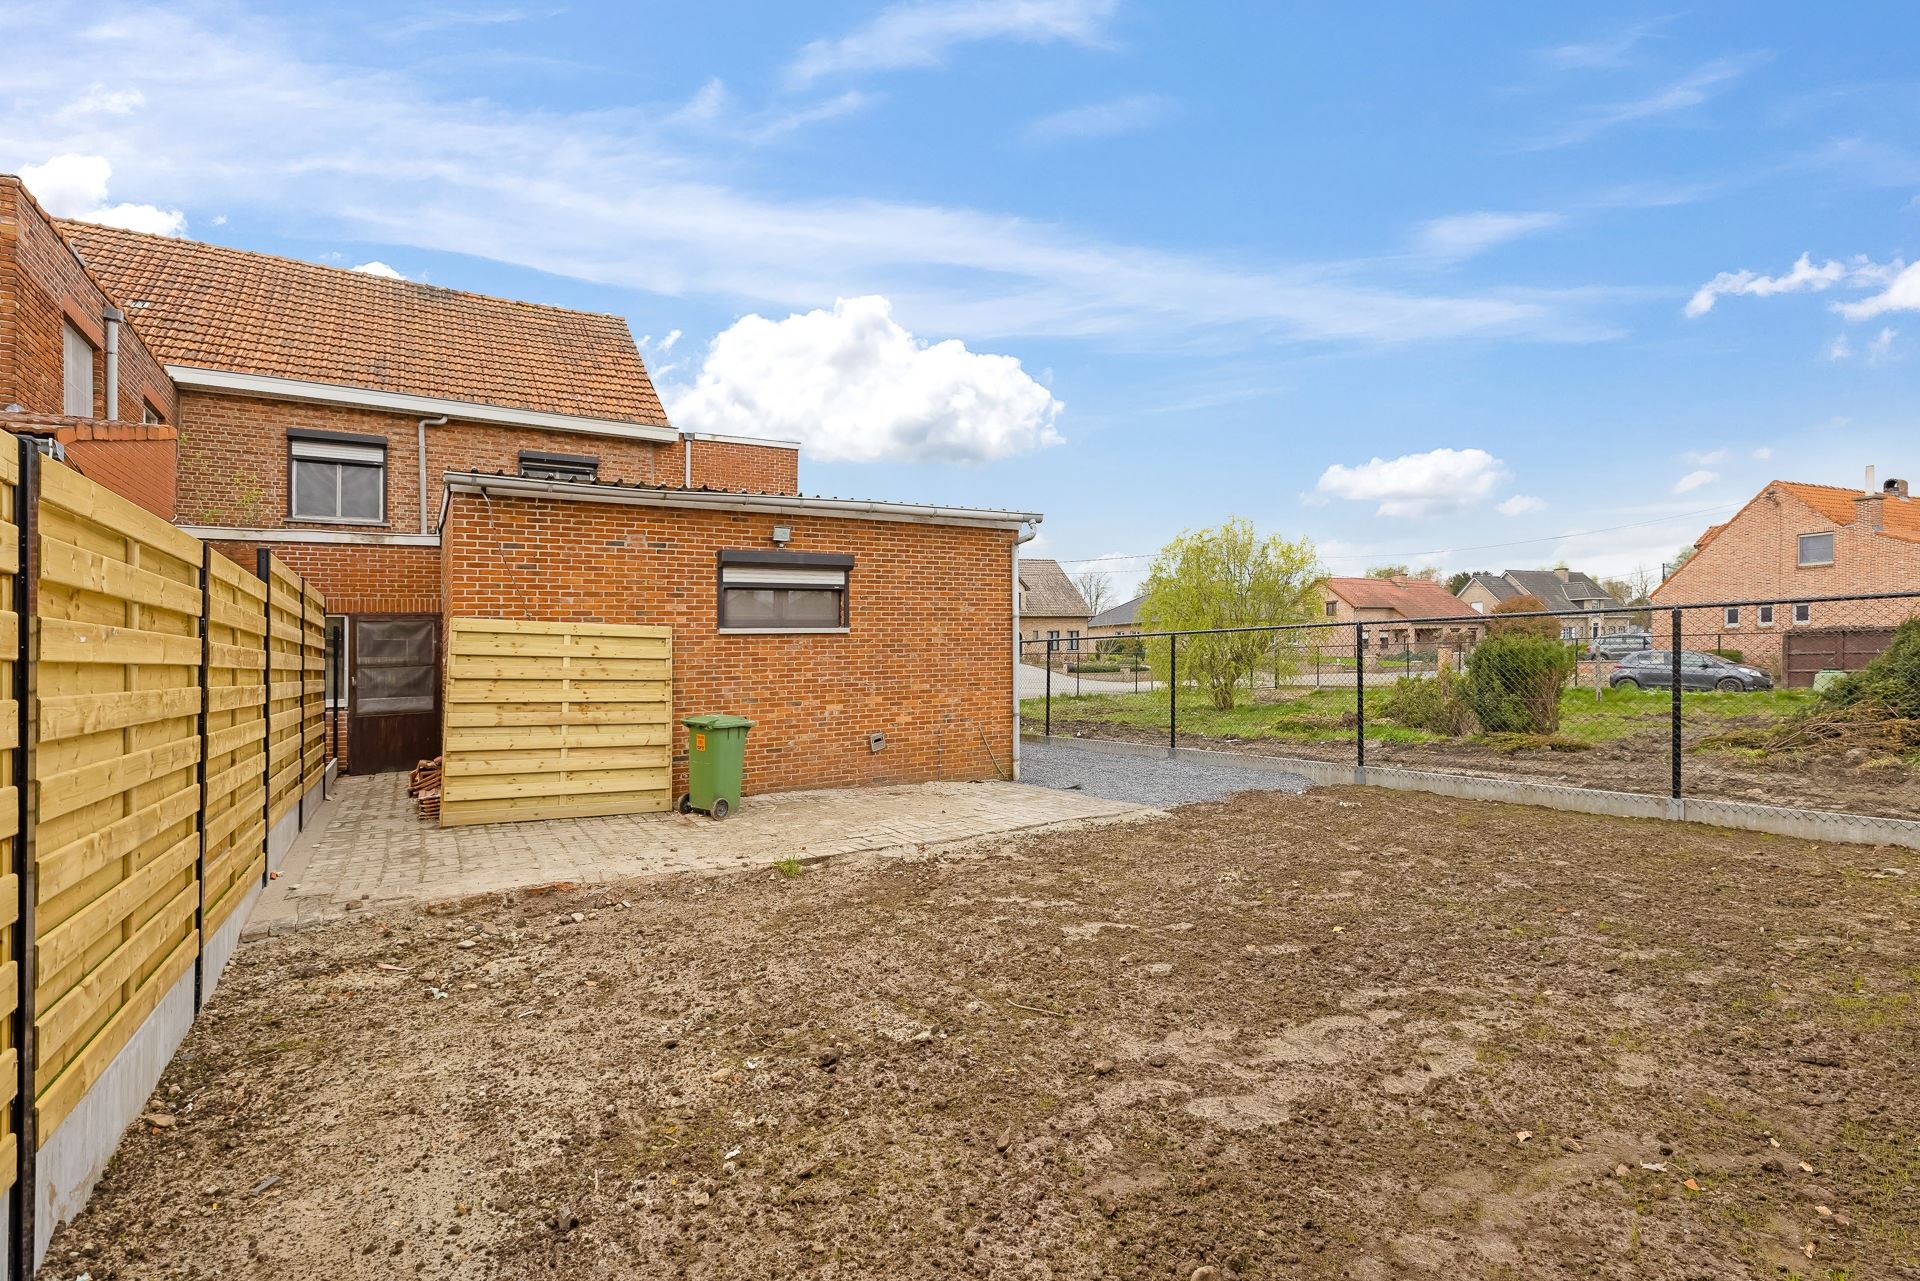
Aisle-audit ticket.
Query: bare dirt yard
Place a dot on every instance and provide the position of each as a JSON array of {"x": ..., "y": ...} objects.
[{"x": 1342, "y": 1034}]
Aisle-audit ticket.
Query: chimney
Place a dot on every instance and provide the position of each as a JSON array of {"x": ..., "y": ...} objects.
[
  {"x": 1870, "y": 511},
  {"x": 1894, "y": 488},
  {"x": 1560, "y": 572},
  {"x": 1869, "y": 487}
]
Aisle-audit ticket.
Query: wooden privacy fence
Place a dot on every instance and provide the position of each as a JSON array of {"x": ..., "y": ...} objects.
[
  {"x": 556, "y": 720},
  {"x": 166, "y": 714}
]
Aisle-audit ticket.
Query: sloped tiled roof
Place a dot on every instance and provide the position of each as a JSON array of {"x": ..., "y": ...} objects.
[
  {"x": 1406, "y": 597},
  {"x": 211, "y": 307},
  {"x": 1125, "y": 614},
  {"x": 1902, "y": 515},
  {"x": 1498, "y": 586},
  {"x": 1553, "y": 592},
  {"x": 1047, "y": 592}
]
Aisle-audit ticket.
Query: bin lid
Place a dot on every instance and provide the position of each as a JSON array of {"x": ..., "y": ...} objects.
[{"x": 716, "y": 720}]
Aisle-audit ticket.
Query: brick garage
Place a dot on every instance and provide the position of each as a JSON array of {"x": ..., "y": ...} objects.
[{"x": 924, "y": 659}]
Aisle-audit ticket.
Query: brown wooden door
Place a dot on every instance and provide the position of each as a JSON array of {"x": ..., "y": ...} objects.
[{"x": 393, "y": 691}]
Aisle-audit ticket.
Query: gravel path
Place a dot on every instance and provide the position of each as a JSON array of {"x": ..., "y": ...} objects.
[{"x": 1145, "y": 780}]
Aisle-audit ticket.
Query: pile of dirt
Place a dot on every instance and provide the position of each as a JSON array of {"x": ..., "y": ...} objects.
[{"x": 1345, "y": 1034}]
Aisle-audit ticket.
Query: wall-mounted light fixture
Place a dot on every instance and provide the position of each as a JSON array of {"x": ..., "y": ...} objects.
[{"x": 782, "y": 534}]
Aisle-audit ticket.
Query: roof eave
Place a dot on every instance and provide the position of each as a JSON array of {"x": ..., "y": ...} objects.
[{"x": 232, "y": 383}]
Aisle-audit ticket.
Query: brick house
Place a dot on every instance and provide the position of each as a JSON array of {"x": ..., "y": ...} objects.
[
  {"x": 1588, "y": 609},
  {"x": 1051, "y": 608},
  {"x": 419, "y": 452},
  {"x": 1790, "y": 544},
  {"x": 1401, "y": 613}
]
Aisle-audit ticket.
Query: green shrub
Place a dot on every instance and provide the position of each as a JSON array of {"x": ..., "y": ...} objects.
[
  {"x": 1432, "y": 705},
  {"x": 1891, "y": 682},
  {"x": 1514, "y": 680}
]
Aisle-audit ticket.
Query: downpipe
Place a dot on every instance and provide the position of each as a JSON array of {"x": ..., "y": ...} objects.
[{"x": 425, "y": 423}]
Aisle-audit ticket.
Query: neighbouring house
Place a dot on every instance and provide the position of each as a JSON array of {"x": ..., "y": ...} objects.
[
  {"x": 1400, "y": 613},
  {"x": 1051, "y": 608},
  {"x": 1760, "y": 575},
  {"x": 420, "y": 453},
  {"x": 1118, "y": 620},
  {"x": 1587, "y": 609}
]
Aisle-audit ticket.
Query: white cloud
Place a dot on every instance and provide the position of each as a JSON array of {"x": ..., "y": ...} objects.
[
  {"x": 99, "y": 100},
  {"x": 1692, "y": 90},
  {"x": 378, "y": 268},
  {"x": 713, "y": 110},
  {"x": 1762, "y": 454},
  {"x": 1805, "y": 275},
  {"x": 1606, "y": 51},
  {"x": 920, "y": 34},
  {"x": 241, "y": 116},
  {"x": 1841, "y": 348},
  {"x": 1875, "y": 350},
  {"x": 1695, "y": 480},
  {"x": 1110, "y": 119},
  {"x": 1706, "y": 457},
  {"x": 852, "y": 384},
  {"x": 1880, "y": 345},
  {"x": 1901, "y": 294},
  {"x": 75, "y": 186},
  {"x": 1417, "y": 484},
  {"x": 1521, "y": 505},
  {"x": 1464, "y": 235}
]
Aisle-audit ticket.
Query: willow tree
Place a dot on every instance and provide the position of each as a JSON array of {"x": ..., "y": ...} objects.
[{"x": 1229, "y": 577}]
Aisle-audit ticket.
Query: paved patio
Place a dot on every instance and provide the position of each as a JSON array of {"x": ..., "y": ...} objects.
[{"x": 368, "y": 845}]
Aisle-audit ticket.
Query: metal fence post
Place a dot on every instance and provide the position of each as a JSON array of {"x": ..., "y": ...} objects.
[
  {"x": 1360, "y": 694},
  {"x": 1677, "y": 640},
  {"x": 1173, "y": 693},
  {"x": 26, "y": 519},
  {"x": 1049, "y": 727},
  {"x": 200, "y": 771}
]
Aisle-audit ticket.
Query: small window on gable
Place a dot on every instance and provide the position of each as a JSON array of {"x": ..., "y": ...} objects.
[
  {"x": 1803, "y": 613},
  {"x": 1816, "y": 549},
  {"x": 1766, "y": 616},
  {"x": 1733, "y": 616},
  {"x": 149, "y": 415},
  {"x": 542, "y": 466},
  {"x": 337, "y": 477},
  {"x": 76, "y": 399},
  {"x": 783, "y": 591},
  {"x": 1333, "y": 608}
]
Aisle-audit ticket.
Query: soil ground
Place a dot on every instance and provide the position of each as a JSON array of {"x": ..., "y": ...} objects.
[{"x": 1349, "y": 1033}]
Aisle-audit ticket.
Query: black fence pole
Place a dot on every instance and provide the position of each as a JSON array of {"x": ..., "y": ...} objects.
[
  {"x": 263, "y": 566},
  {"x": 200, "y": 771},
  {"x": 1173, "y": 693},
  {"x": 1360, "y": 694},
  {"x": 1677, "y": 640},
  {"x": 25, "y": 1194},
  {"x": 1049, "y": 733}
]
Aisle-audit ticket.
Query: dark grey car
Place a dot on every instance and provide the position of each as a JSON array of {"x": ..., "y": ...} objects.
[
  {"x": 1653, "y": 669},
  {"x": 1618, "y": 645}
]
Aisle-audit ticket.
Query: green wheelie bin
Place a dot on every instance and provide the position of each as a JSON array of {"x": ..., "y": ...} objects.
[{"x": 716, "y": 758}]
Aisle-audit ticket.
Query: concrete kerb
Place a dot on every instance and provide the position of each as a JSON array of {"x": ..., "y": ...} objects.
[{"x": 1777, "y": 820}]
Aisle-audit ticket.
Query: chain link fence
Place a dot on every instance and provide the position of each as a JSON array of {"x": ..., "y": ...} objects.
[{"x": 1805, "y": 704}]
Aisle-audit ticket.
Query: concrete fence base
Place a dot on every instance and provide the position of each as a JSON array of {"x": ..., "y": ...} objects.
[{"x": 1780, "y": 820}]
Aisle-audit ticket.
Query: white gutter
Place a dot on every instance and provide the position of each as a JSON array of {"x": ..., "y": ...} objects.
[
  {"x": 717, "y": 500},
  {"x": 234, "y": 384},
  {"x": 113, "y": 316},
  {"x": 1025, "y": 536},
  {"x": 769, "y": 441}
]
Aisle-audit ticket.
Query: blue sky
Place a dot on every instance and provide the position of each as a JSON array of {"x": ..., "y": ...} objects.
[{"x": 1441, "y": 285}]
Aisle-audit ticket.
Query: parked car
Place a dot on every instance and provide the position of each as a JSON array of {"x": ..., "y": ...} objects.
[
  {"x": 1618, "y": 645},
  {"x": 1653, "y": 669}
]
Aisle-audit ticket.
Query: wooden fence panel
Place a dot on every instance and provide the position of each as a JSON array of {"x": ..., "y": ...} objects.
[
  {"x": 235, "y": 823},
  {"x": 556, "y": 720},
  {"x": 286, "y": 679},
  {"x": 313, "y": 688},
  {"x": 116, "y": 794},
  {"x": 9, "y": 812}
]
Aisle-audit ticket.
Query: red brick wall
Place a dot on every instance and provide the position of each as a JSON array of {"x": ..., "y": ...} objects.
[
  {"x": 925, "y": 660},
  {"x": 1756, "y": 557},
  {"x": 134, "y": 460},
  {"x": 43, "y": 284},
  {"x": 726, "y": 464}
]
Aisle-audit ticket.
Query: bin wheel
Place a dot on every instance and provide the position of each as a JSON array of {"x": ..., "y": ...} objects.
[
  {"x": 686, "y": 804},
  {"x": 720, "y": 807}
]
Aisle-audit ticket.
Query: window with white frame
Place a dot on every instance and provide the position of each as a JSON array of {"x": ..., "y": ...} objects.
[
  {"x": 1733, "y": 615},
  {"x": 1815, "y": 549},
  {"x": 783, "y": 591},
  {"x": 1766, "y": 616},
  {"x": 337, "y": 477},
  {"x": 1073, "y": 639},
  {"x": 1803, "y": 613},
  {"x": 76, "y": 399}
]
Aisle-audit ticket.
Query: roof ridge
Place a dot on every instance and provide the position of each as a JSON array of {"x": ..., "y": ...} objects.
[{"x": 348, "y": 271}]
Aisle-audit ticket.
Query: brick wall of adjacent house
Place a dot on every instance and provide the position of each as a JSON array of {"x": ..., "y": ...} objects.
[
  {"x": 1756, "y": 557},
  {"x": 134, "y": 460},
  {"x": 924, "y": 660},
  {"x": 729, "y": 464},
  {"x": 1034, "y": 629},
  {"x": 42, "y": 285}
]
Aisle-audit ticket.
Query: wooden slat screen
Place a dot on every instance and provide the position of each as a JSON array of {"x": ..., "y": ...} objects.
[
  {"x": 235, "y": 825},
  {"x": 556, "y": 720},
  {"x": 9, "y": 811},
  {"x": 116, "y": 647},
  {"x": 286, "y": 679},
  {"x": 313, "y": 687}
]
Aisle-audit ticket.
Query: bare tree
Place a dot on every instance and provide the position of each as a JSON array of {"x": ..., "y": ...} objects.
[{"x": 1096, "y": 587}]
